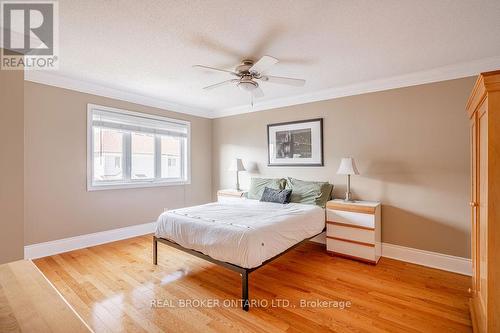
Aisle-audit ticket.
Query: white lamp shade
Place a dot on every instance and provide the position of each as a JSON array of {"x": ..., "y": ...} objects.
[
  {"x": 347, "y": 167},
  {"x": 237, "y": 165}
]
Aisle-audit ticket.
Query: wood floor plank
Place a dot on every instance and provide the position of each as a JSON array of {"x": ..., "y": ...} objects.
[
  {"x": 28, "y": 303},
  {"x": 113, "y": 287}
]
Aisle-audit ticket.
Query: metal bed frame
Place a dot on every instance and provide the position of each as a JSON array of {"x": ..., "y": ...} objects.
[{"x": 243, "y": 271}]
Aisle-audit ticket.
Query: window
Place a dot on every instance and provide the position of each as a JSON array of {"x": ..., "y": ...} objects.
[
  {"x": 108, "y": 154},
  {"x": 170, "y": 157},
  {"x": 143, "y": 156},
  {"x": 128, "y": 149}
]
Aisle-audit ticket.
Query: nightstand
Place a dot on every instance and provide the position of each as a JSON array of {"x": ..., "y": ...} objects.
[
  {"x": 353, "y": 229},
  {"x": 230, "y": 195}
]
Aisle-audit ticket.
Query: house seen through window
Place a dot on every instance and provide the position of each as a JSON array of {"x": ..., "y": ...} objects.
[{"x": 133, "y": 149}]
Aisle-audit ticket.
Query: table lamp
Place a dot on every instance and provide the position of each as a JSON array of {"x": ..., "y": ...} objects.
[
  {"x": 348, "y": 167},
  {"x": 237, "y": 165}
]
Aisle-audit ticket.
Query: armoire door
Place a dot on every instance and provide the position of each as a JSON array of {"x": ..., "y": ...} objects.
[
  {"x": 473, "y": 204},
  {"x": 482, "y": 213}
]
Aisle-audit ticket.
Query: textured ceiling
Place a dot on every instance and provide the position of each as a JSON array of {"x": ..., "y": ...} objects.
[{"x": 148, "y": 47}]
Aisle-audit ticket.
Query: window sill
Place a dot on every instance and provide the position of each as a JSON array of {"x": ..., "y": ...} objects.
[{"x": 94, "y": 187}]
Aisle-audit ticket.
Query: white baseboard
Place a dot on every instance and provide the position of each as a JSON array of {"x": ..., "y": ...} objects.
[
  {"x": 415, "y": 256},
  {"x": 74, "y": 243},
  {"x": 427, "y": 258},
  {"x": 441, "y": 261}
]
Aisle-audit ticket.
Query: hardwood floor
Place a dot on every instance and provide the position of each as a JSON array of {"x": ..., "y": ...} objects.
[
  {"x": 28, "y": 303},
  {"x": 113, "y": 286}
]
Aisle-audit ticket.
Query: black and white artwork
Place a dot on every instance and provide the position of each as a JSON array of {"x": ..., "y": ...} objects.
[
  {"x": 294, "y": 143},
  {"x": 298, "y": 143}
]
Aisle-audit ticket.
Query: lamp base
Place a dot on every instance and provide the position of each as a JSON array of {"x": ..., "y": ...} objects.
[
  {"x": 348, "y": 197},
  {"x": 237, "y": 181}
]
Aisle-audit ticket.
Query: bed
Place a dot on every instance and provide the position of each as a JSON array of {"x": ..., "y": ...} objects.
[{"x": 240, "y": 235}]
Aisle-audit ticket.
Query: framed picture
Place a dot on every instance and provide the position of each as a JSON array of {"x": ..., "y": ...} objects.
[{"x": 295, "y": 143}]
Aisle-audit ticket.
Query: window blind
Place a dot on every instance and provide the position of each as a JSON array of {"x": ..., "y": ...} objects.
[{"x": 132, "y": 123}]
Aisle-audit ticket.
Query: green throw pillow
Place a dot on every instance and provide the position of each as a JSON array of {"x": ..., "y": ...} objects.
[
  {"x": 257, "y": 186},
  {"x": 306, "y": 192}
]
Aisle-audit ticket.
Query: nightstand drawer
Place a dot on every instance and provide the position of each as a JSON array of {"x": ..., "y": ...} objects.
[
  {"x": 351, "y": 249},
  {"x": 352, "y": 233},
  {"x": 359, "y": 219}
]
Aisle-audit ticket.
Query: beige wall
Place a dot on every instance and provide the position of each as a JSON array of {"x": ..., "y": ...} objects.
[
  {"x": 411, "y": 146},
  {"x": 57, "y": 202},
  {"x": 11, "y": 165}
]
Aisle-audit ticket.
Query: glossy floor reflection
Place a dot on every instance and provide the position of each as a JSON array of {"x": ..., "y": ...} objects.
[{"x": 115, "y": 288}]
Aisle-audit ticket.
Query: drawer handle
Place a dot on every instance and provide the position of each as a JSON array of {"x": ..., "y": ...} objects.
[{"x": 473, "y": 204}]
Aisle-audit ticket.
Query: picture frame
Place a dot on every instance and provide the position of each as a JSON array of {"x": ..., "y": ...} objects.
[{"x": 295, "y": 143}]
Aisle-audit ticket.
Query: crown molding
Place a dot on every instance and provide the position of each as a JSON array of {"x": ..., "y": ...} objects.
[
  {"x": 444, "y": 73},
  {"x": 52, "y": 79}
]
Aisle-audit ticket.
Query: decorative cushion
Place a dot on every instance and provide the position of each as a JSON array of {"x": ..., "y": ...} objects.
[
  {"x": 257, "y": 186},
  {"x": 278, "y": 196},
  {"x": 313, "y": 193}
]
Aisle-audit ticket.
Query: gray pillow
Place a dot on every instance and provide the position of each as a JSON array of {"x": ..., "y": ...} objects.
[
  {"x": 313, "y": 193},
  {"x": 277, "y": 196},
  {"x": 257, "y": 186}
]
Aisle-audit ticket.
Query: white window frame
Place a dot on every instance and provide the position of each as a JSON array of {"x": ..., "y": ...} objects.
[{"x": 93, "y": 186}]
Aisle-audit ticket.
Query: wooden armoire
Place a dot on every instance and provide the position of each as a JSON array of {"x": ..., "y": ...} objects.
[{"x": 483, "y": 109}]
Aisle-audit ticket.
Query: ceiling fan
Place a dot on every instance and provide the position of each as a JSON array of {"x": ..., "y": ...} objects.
[{"x": 248, "y": 74}]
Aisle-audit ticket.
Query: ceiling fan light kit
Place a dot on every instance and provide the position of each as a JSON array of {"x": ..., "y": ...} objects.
[
  {"x": 249, "y": 73},
  {"x": 247, "y": 85}
]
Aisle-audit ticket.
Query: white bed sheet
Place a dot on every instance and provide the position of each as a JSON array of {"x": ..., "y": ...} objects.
[{"x": 244, "y": 232}]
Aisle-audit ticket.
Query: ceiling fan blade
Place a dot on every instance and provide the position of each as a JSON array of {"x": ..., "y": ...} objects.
[
  {"x": 257, "y": 92},
  {"x": 223, "y": 83},
  {"x": 284, "y": 80},
  {"x": 263, "y": 64},
  {"x": 216, "y": 69}
]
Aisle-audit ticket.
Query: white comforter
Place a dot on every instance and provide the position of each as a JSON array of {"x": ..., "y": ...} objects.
[{"x": 244, "y": 232}]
